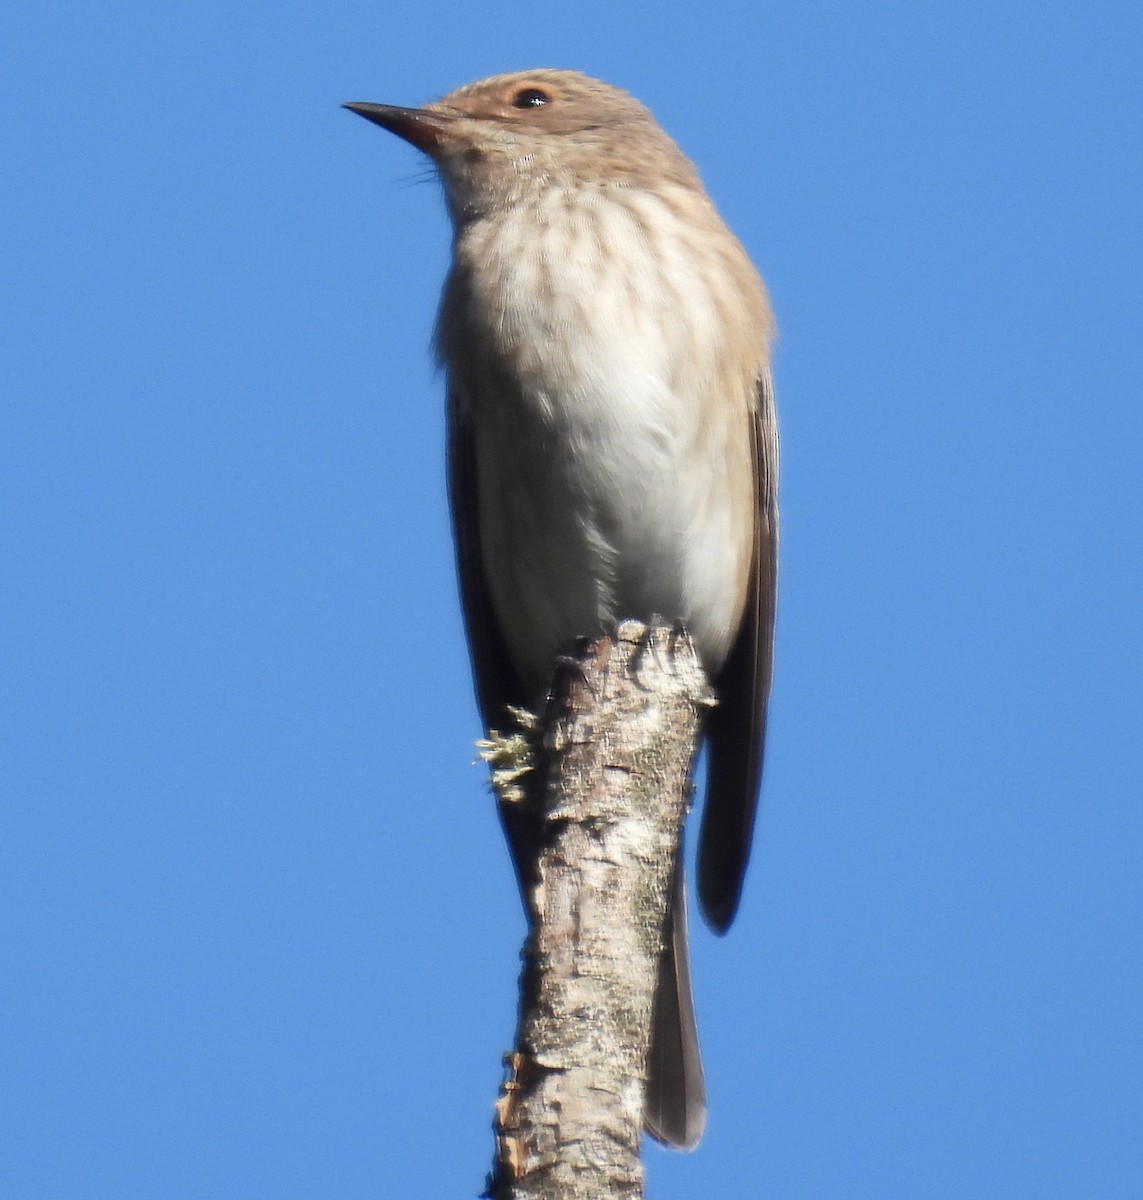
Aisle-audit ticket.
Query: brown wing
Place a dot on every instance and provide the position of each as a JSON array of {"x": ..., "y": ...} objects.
[
  {"x": 496, "y": 683},
  {"x": 736, "y": 729}
]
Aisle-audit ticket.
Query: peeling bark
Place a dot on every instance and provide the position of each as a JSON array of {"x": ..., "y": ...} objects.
[{"x": 612, "y": 779}]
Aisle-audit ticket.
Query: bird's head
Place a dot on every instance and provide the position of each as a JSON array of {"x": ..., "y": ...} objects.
[{"x": 496, "y": 141}]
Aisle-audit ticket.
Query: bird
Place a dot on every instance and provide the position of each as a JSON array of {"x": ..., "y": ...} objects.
[{"x": 612, "y": 445}]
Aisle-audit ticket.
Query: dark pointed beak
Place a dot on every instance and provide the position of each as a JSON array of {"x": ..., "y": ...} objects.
[{"x": 419, "y": 126}]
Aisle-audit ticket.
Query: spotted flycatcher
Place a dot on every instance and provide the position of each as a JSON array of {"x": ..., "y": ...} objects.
[{"x": 613, "y": 450}]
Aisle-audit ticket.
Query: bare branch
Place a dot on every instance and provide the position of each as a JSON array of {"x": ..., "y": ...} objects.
[{"x": 613, "y": 782}]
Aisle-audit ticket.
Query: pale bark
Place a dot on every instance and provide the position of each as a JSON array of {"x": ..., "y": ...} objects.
[{"x": 612, "y": 777}]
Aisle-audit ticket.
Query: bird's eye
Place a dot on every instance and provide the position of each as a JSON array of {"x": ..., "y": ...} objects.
[{"x": 530, "y": 97}]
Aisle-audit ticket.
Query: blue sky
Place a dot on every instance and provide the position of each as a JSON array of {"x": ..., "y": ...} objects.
[{"x": 259, "y": 934}]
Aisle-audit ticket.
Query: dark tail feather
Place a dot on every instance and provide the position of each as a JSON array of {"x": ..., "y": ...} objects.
[{"x": 674, "y": 1110}]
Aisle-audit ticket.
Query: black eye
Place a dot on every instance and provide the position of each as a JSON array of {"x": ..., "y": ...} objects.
[{"x": 530, "y": 98}]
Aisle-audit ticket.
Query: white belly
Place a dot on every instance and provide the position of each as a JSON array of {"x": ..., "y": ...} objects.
[{"x": 612, "y": 426}]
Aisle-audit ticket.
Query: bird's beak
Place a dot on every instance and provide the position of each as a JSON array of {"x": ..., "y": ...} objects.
[{"x": 420, "y": 127}]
